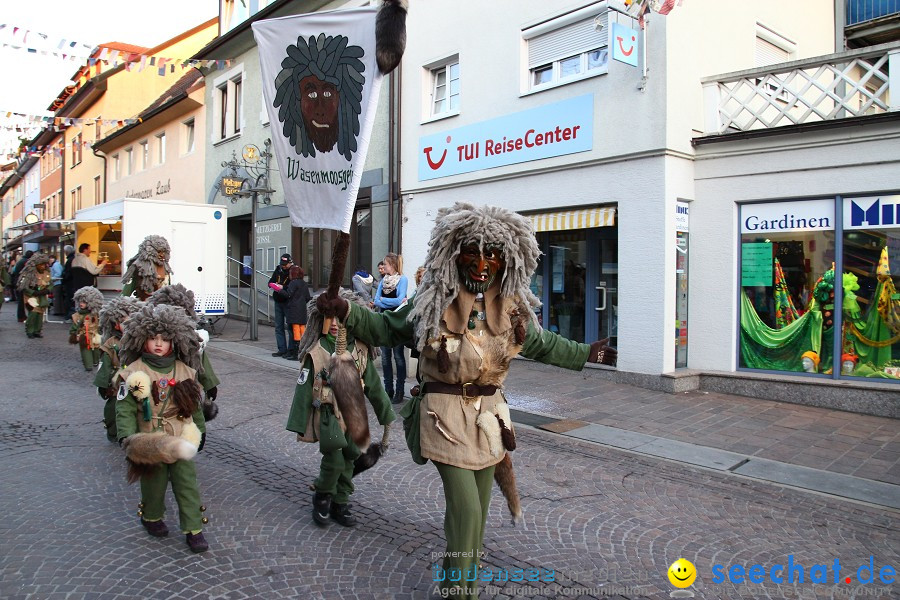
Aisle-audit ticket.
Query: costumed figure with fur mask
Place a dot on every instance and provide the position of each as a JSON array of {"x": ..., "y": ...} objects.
[
  {"x": 34, "y": 284},
  {"x": 85, "y": 329},
  {"x": 113, "y": 315},
  {"x": 471, "y": 315},
  {"x": 337, "y": 374},
  {"x": 178, "y": 295},
  {"x": 149, "y": 269},
  {"x": 158, "y": 416}
]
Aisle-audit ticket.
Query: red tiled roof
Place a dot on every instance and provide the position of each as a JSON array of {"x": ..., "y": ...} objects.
[{"x": 179, "y": 87}]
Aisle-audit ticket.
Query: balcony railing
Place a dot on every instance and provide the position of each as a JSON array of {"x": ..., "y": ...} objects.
[
  {"x": 859, "y": 11},
  {"x": 824, "y": 88}
]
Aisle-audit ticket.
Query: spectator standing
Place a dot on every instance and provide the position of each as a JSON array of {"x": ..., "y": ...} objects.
[
  {"x": 68, "y": 292},
  {"x": 5, "y": 280},
  {"x": 391, "y": 295},
  {"x": 295, "y": 308},
  {"x": 280, "y": 278},
  {"x": 56, "y": 272},
  {"x": 84, "y": 271},
  {"x": 363, "y": 284}
]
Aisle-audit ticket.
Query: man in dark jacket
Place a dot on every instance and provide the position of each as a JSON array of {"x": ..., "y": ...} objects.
[
  {"x": 68, "y": 292},
  {"x": 279, "y": 281}
]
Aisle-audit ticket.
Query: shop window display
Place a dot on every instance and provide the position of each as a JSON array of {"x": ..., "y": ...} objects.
[
  {"x": 786, "y": 251},
  {"x": 870, "y": 341}
]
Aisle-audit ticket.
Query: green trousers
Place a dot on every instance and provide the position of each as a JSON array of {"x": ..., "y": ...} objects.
[
  {"x": 109, "y": 419},
  {"x": 183, "y": 475},
  {"x": 468, "y": 496},
  {"x": 336, "y": 472},
  {"x": 90, "y": 358},
  {"x": 34, "y": 322}
]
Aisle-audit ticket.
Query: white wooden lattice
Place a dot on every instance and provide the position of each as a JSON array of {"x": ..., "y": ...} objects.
[{"x": 837, "y": 86}]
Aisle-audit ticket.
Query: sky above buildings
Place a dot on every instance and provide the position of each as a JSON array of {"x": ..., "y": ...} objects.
[{"x": 31, "y": 80}]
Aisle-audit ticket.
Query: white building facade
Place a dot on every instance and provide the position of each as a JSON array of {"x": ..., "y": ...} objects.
[{"x": 601, "y": 132}]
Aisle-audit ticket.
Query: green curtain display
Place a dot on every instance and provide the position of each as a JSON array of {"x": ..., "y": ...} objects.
[
  {"x": 778, "y": 349},
  {"x": 872, "y": 340}
]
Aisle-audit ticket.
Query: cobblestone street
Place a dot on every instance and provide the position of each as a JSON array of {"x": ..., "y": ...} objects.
[{"x": 605, "y": 522}]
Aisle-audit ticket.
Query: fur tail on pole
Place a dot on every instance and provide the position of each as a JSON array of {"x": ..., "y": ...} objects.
[
  {"x": 506, "y": 479},
  {"x": 343, "y": 377},
  {"x": 390, "y": 34}
]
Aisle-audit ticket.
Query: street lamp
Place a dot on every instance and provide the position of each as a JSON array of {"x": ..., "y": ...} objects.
[{"x": 251, "y": 162}]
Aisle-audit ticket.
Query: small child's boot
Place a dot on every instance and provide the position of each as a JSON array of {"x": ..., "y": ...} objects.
[
  {"x": 321, "y": 508},
  {"x": 196, "y": 542},
  {"x": 341, "y": 514},
  {"x": 156, "y": 528}
]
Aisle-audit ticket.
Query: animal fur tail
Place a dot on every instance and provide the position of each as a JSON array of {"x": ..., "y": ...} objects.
[
  {"x": 348, "y": 395},
  {"x": 390, "y": 34},
  {"x": 145, "y": 451},
  {"x": 367, "y": 459},
  {"x": 506, "y": 479}
]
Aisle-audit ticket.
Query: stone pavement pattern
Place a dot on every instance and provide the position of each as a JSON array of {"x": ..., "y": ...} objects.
[{"x": 595, "y": 516}]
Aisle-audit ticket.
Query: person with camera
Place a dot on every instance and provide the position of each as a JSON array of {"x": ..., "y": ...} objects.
[{"x": 278, "y": 282}]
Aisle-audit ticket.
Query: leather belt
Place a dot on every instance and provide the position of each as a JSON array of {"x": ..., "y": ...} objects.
[{"x": 466, "y": 390}]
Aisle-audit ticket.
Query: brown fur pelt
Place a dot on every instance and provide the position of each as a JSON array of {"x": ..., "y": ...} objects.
[
  {"x": 187, "y": 397},
  {"x": 506, "y": 480},
  {"x": 145, "y": 451},
  {"x": 390, "y": 34},
  {"x": 343, "y": 377}
]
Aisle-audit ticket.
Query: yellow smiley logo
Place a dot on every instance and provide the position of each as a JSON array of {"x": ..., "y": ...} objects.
[{"x": 682, "y": 573}]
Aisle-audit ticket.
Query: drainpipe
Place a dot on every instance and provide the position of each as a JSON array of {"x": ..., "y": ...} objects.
[
  {"x": 399, "y": 72},
  {"x": 391, "y": 165},
  {"x": 94, "y": 151}
]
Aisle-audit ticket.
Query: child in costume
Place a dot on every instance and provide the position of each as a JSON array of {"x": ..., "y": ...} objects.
[
  {"x": 34, "y": 284},
  {"x": 329, "y": 408},
  {"x": 85, "y": 329},
  {"x": 158, "y": 417},
  {"x": 178, "y": 295},
  {"x": 471, "y": 315},
  {"x": 149, "y": 269},
  {"x": 112, "y": 320}
]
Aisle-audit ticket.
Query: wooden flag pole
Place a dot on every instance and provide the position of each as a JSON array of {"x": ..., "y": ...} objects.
[{"x": 338, "y": 263}]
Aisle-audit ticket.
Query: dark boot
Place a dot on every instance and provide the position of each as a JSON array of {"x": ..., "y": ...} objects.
[
  {"x": 398, "y": 397},
  {"x": 291, "y": 354},
  {"x": 196, "y": 542},
  {"x": 321, "y": 508},
  {"x": 155, "y": 528},
  {"x": 341, "y": 514}
]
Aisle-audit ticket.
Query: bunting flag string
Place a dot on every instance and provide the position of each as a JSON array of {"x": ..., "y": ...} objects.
[{"x": 66, "y": 121}]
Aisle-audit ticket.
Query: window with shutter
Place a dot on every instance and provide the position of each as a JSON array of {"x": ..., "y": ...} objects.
[{"x": 568, "y": 48}]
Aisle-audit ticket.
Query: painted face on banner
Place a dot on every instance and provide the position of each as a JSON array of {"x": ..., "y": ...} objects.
[
  {"x": 319, "y": 101},
  {"x": 309, "y": 105},
  {"x": 478, "y": 268}
]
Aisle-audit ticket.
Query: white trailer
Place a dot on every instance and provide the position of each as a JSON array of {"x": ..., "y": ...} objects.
[{"x": 197, "y": 235}]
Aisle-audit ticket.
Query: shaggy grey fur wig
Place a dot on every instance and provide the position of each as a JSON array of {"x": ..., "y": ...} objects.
[
  {"x": 28, "y": 277},
  {"x": 314, "y": 322},
  {"x": 172, "y": 323},
  {"x": 114, "y": 312},
  {"x": 175, "y": 295},
  {"x": 455, "y": 227},
  {"x": 142, "y": 266},
  {"x": 91, "y": 296}
]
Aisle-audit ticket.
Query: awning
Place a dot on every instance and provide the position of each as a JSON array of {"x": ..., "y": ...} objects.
[{"x": 574, "y": 219}]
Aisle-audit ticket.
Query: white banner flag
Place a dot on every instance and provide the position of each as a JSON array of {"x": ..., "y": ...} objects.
[{"x": 320, "y": 84}]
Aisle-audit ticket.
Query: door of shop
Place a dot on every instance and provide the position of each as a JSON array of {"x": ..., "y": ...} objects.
[{"x": 603, "y": 280}]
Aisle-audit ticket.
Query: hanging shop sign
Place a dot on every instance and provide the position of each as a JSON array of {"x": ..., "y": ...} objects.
[
  {"x": 873, "y": 212},
  {"x": 625, "y": 47},
  {"x": 552, "y": 130},
  {"x": 231, "y": 185},
  {"x": 773, "y": 217}
]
